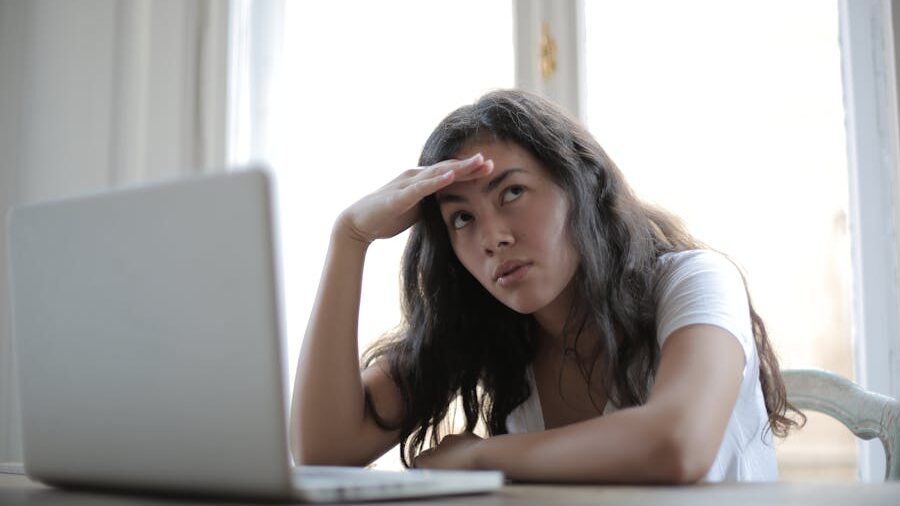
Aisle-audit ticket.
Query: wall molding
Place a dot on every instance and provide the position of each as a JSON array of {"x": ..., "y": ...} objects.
[{"x": 565, "y": 20}]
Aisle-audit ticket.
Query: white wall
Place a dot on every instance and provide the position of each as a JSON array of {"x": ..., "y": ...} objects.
[
  {"x": 56, "y": 83},
  {"x": 10, "y": 60},
  {"x": 97, "y": 93}
]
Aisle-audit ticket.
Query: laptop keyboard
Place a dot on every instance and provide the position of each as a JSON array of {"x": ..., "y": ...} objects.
[
  {"x": 351, "y": 476},
  {"x": 328, "y": 484}
]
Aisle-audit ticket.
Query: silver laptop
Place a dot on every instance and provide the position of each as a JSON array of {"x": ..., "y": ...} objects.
[{"x": 148, "y": 335}]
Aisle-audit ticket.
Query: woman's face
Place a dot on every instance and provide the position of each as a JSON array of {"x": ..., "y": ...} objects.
[{"x": 509, "y": 228}]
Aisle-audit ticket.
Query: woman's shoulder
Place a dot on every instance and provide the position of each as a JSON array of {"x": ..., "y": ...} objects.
[
  {"x": 695, "y": 257},
  {"x": 703, "y": 286},
  {"x": 680, "y": 265}
]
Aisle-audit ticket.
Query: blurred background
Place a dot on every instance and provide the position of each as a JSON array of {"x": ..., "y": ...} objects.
[{"x": 743, "y": 118}]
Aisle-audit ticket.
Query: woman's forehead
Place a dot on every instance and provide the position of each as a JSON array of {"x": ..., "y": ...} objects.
[
  {"x": 511, "y": 162},
  {"x": 494, "y": 149},
  {"x": 505, "y": 155},
  {"x": 485, "y": 184}
]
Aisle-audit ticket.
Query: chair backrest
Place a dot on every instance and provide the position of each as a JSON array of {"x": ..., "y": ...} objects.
[{"x": 867, "y": 414}]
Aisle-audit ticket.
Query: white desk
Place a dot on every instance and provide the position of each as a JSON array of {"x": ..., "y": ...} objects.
[{"x": 19, "y": 490}]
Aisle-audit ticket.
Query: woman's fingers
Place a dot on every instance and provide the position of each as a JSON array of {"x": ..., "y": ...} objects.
[
  {"x": 412, "y": 194},
  {"x": 455, "y": 165},
  {"x": 463, "y": 169},
  {"x": 474, "y": 172},
  {"x": 392, "y": 209},
  {"x": 420, "y": 189}
]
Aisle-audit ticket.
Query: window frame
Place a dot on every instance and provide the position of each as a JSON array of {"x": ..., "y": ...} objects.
[
  {"x": 565, "y": 20},
  {"x": 870, "y": 97}
]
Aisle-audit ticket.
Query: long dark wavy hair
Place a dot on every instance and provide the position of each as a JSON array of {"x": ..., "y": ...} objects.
[{"x": 458, "y": 343}]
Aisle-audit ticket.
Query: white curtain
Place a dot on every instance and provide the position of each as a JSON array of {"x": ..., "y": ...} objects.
[
  {"x": 255, "y": 43},
  {"x": 99, "y": 93}
]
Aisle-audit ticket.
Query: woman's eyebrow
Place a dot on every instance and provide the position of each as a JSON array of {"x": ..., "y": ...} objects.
[{"x": 443, "y": 198}]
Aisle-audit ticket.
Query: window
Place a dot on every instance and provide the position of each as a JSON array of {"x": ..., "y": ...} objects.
[{"x": 730, "y": 115}]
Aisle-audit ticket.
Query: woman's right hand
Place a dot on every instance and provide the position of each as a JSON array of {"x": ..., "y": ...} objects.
[{"x": 395, "y": 206}]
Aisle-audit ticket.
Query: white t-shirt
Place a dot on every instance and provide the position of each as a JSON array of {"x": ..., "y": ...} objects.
[{"x": 703, "y": 287}]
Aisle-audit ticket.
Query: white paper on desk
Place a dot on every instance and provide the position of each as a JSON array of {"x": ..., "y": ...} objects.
[{"x": 12, "y": 468}]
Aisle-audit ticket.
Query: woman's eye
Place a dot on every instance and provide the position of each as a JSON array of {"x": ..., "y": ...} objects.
[
  {"x": 512, "y": 193},
  {"x": 460, "y": 220}
]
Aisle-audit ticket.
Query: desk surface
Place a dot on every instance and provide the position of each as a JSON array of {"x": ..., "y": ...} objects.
[{"x": 19, "y": 490}]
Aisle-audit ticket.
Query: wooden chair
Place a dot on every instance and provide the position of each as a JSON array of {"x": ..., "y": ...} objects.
[{"x": 866, "y": 414}]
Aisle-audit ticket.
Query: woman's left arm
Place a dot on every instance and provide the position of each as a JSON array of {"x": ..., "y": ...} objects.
[{"x": 672, "y": 438}]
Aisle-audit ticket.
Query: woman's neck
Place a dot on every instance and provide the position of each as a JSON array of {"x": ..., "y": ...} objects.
[{"x": 563, "y": 330}]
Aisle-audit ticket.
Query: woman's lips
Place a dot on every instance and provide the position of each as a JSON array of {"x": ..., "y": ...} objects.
[{"x": 514, "y": 276}]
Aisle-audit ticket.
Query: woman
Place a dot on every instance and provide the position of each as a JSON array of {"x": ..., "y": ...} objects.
[{"x": 594, "y": 338}]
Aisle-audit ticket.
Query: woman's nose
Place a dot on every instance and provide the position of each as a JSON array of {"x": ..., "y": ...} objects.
[{"x": 495, "y": 234}]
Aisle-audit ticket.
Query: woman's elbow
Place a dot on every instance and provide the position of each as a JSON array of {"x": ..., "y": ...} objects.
[
  {"x": 688, "y": 471},
  {"x": 296, "y": 446},
  {"x": 687, "y": 461},
  {"x": 304, "y": 450},
  {"x": 307, "y": 455}
]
